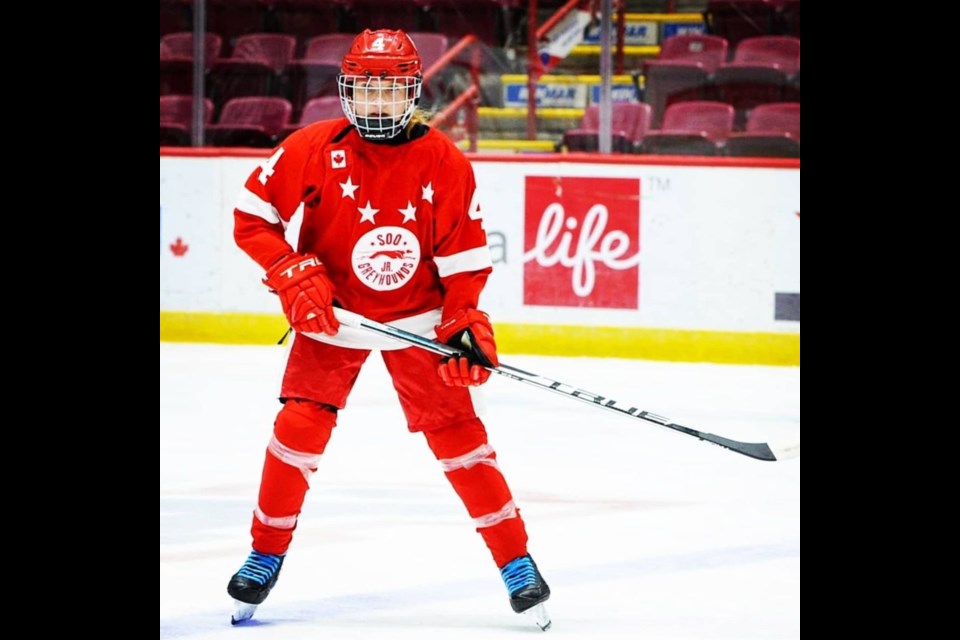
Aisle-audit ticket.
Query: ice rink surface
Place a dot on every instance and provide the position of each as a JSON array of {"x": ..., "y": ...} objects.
[{"x": 641, "y": 532}]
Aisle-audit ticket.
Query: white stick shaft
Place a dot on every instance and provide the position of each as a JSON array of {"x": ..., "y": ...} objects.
[{"x": 758, "y": 450}]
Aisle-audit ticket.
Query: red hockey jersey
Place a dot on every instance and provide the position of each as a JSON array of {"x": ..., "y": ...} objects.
[{"x": 398, "y": 227}]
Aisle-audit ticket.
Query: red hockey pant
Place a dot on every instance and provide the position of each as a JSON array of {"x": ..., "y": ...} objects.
[{"x": 318, "y": 380}]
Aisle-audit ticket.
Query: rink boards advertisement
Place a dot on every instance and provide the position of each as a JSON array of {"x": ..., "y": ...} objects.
[
  {"x": 570, "y": 92},
  {"x": 685, "y": 262}
]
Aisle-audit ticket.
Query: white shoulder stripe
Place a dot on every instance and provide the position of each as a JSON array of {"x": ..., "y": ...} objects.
[
  {"x": 251, "y": 203},
  {"x": 465, "y": 261}
]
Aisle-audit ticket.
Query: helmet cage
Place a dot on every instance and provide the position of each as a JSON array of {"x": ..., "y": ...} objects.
[{"x": 379, "y": 107}]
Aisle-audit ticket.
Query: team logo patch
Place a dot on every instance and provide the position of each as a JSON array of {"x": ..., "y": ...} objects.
[
  {"x": 386, "y": 258},
  {"x": 338, "y": 158},
  {"x": 581, "y": 242}
]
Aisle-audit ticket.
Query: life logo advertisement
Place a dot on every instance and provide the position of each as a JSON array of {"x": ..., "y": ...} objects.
[{"x": 582, "y": 242}]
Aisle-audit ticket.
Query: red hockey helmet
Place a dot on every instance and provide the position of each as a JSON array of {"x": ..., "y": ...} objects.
[
  {"x": 380, "y": 83},
  {"x": 382, "y": 53}
]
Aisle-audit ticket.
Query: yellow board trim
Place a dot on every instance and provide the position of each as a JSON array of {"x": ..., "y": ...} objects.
[
  {"x": 521, "y": 112},
  {"x": 728, "y": 347},
  {"x": 511, "y": 145},
  {"x": 552, "y": 79},
  {"x": 629, "y": 49},
  {"x": 663, "y": 17},
  {"x": 224, "y": 328}
]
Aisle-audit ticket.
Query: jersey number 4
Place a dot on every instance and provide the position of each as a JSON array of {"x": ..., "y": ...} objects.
[
  {"x": 266, "y": 169},
  {"x": 474, "y": 210}
]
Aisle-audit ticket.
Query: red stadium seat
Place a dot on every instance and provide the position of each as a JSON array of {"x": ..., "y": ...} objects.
[
  {"x": 763, "y": 70},
  {"x": 682, "y": 71},
  {"x": 176, "y": 60},
  {"x": 629, "y": 123},
  {"x": 323, "y": 108},
  {"x": 316, "y": 73},
  {"x": 738, "y": 20},
  {"x": 176, "y": 117},
  {"x": 710, "y": 51},
  {"x": 250, "y": 122},
  {"x": 691, "y": 128},
  {"x": 773, "y": 130},
  {"x": 180, "y": 45},
  {"x": 780, "y": 51},
  {"x": 430, "y": 46},
  {"x": 328, "y": 48},
  {"x": 255, "y": 68},
  {"x": 776, "y": 116}
]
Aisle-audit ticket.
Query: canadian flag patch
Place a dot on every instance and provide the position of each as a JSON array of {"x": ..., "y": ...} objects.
[{"x": 338, "y": 158}]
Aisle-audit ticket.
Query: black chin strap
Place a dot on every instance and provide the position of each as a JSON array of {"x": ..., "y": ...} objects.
[{"x": 416, "y": 131}]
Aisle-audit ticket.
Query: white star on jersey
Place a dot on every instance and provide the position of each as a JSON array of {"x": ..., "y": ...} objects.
[
  {"x": 410, "y": 213},
  {"x": 348, "y": 188},
  {"x": 367, "y": 213},
  {"x": 428, "y": 192}
]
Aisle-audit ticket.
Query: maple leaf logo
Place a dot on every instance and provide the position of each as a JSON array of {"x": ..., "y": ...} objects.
[
  {"x": 178, "y": 248},
  {"x": 338, "y": 158}
]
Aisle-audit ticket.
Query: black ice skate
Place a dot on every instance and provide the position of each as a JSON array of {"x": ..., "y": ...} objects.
[
  {"x": 527, "y": 588},
  {"x": 252, "y": 584}
]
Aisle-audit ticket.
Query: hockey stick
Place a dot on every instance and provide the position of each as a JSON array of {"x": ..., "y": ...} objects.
[{"x": 758, "y": 450}]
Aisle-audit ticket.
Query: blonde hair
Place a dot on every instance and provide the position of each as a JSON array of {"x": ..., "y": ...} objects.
[{"x": 419, "y": 117}]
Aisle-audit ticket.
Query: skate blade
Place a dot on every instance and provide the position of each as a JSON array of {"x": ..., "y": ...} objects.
[
  {"x": 242, "y": 612},
  {"x": 540, "y": 616}
]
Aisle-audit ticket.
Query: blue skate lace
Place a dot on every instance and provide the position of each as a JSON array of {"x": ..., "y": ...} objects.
[
  {"x": 519, "y": 573},
  {"x": 260, "y": 567}
]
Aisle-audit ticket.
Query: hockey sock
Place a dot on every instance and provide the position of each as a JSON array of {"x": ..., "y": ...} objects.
[
  {"x": 300, "y": 435},
  {"x": 470, "y": 465}
]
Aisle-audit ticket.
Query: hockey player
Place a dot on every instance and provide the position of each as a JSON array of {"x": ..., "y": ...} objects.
[{"x": 382, "y": 219}]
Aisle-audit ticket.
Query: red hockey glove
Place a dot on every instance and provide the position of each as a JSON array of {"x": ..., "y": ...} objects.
[
  {"x": 470, "y": 331},
  {"x": 306, "y": 293}
]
